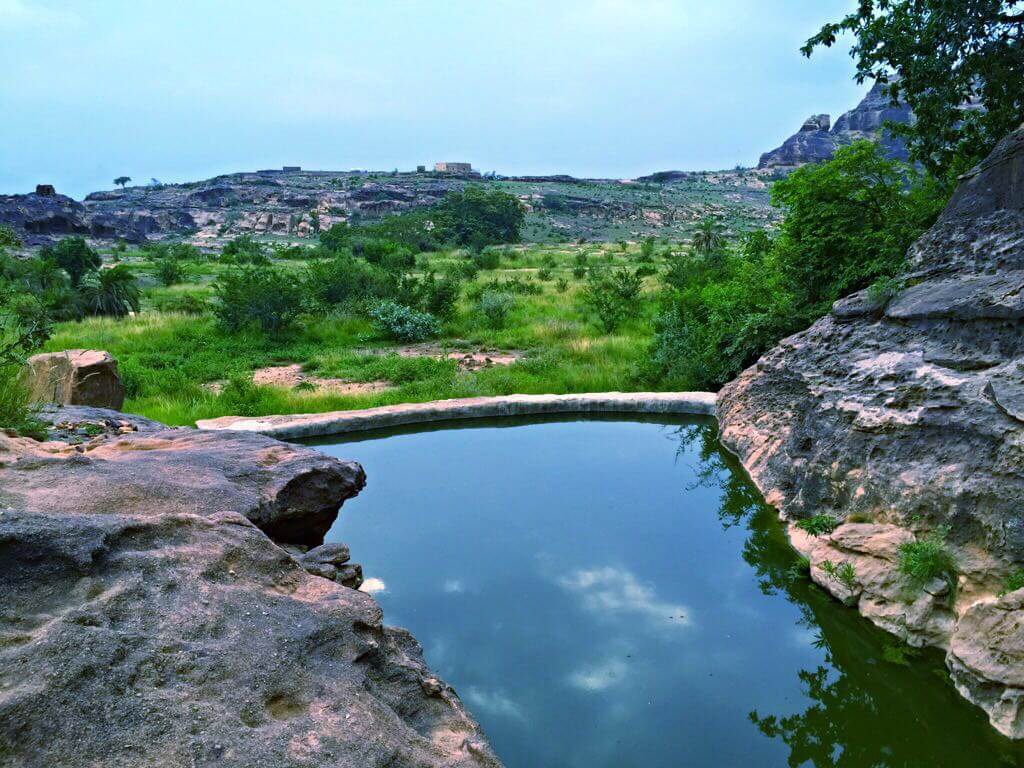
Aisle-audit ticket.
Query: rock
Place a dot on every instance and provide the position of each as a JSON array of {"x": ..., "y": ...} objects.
[
  {"x": 149, "y": 619},
  {"x": 816, "y": 141},
  {"x": 910, "y": 415},
  {"x": 75, "y": 377}
]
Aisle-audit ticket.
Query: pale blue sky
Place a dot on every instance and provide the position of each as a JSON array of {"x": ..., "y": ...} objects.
[{"x": 185, "y": 89}]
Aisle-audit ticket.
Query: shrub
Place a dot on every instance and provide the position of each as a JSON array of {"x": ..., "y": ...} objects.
[
  {"x": 403, "y": 323},
  {"x": 495, "y": 307},
  {"x": 343, "y": 281},
  {"x": 844, "y": 573},
  {"x": 544, "y": 273},
  {"x": 387, "y": 254},
  {"x": 111, "y": 292},
  {"x": 883, "y": 291},
  {"x": 612, "y": 295},
  {"x": 170, "y": 271},
  {"x": 486, "y": 259},
  {"x": 74, "y": 256},
  {"x": 244, "y": 250},
  {"x": 337, "y": 237},
  {"x": 928, "y": 558},
  {"x": 561, "y": 285},
  {"x": 16, "y": 414},
  {"x": 440, "y": 296},
  {"x": 267, "y": 299},
  {"x": 647, "y": 249},
  {"x": 818, "y": 525},
  {"x": 183, "y": 303},
  {"x": 1013, "y": 582}
]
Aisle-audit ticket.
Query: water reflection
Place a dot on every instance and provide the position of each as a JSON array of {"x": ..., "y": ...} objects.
[
  {"x": 608, "y": 593},
  {"x": 873, "y": 702}
]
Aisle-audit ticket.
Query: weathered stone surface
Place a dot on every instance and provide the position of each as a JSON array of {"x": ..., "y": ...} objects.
[
  {"x": 148, "y": 618},
  {"x": 816, "y": 141},
  {"x": 75, "y": 377},
  {"x": 335, "y": 422},
  {"x": 911, "y": 415}
]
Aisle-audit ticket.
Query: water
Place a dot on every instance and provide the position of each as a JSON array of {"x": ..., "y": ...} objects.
[{"x": 614, "y": 593}]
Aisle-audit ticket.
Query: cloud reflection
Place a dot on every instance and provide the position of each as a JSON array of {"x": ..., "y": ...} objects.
[{"x": 618, "y": 591}]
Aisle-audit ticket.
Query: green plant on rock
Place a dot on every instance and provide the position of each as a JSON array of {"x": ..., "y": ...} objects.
[
  {"x": 818, "y": 525},
  {"x": 844, "y": 573},
  {"x": 1013, "y": 582},
  {"x": 928, "y": 558}
]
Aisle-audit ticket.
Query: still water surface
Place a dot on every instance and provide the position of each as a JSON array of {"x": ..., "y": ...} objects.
[{"x": 614, "y": 593}]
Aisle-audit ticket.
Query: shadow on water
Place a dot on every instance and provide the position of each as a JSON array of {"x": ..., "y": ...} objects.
[
  {"x": 876, "y": 701},
  {"x": 730, "y": 690}
]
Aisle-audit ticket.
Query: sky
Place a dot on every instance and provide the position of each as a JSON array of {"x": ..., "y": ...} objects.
[{"x": 181, "y": 90}]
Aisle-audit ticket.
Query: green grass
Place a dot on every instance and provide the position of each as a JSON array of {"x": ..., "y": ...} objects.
[
  {"x": 166, "y": 357},
  {"x": 927, "y": 558}
]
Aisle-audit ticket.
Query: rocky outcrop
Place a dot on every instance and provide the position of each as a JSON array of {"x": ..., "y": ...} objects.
[
  {"x": 816, "y": 141},
  {"x": 150, "y": 615},
  {"x": 75, "y": 377},
  {"x": 39, "y": 219},
  {"x": 910, "y": 416}
]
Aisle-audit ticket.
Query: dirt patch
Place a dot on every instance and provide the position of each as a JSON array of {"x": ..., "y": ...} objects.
[
  {"x": 468, "y": 359},
  {"x": 293, "y": 377}
]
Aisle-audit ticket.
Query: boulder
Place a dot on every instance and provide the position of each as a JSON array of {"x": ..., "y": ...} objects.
[
  {"x": 151, "y": 617},
  {"x": 75, "y": 377},
  {"x": 911, "y": 416}
]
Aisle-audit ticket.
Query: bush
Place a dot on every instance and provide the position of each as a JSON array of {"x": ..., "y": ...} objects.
[
  {"x": 182, "y": 303},
  {"x": 170, "y": 271},
  {"x": 403, "y": 323},
  {"x": 486, "y": 259},
  {"x": 344, "y": 281},
  {"x": 244, "y": 250},
  {"x": 16, "y": 414},
  {"x": 267, "y": 299},
  {"x": 495, "y": 307},
  {"x": 561, "y": 285},
  {"x": 1013, "y": 582},
  {"x": 928, "y": 558},
  {"x": 74, "y": 256},
  {"x": 818, "y": 525},
  {"x": 440, "y": 296},
  {"x": 612, "y": 295},
  {"x": 110, "y": 292},
  {"x": 883, "y": 291},
  {"x": 385, "y": 253}
]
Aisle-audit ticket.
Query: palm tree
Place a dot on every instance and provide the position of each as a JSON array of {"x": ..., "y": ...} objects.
[
  {"x": 710, "y": 235},
  {"x": 111, "y": 291}
]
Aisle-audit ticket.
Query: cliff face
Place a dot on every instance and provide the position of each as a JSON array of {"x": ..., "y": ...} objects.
[
  {"x": 156, "y": 611},
  {"x": 908, "y": 418},
  {"x": 816, "y": 141}
]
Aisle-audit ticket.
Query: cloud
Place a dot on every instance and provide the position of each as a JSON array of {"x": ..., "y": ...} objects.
[
  {"x": 599, "y": 676},
  {"x": 454, "y": 587},
  {"x": 23, "y": 13},
  {"x": 618, "y": 591},
  {"x": 373, "y": 586},
  {"x": 494, "y": 703}
]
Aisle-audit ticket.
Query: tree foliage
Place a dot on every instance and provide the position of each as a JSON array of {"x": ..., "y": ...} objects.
[
  {"x": 939, "y": 55},
  {"x": 74, "y": 256},
  {"x": 476, "y": 216}
]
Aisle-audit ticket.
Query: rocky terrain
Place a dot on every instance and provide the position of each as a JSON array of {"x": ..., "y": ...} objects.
[
  {"x": 905, "y": 417},
  {"x": 165, "y": 603},
  {"x": 817, "y": 140}
]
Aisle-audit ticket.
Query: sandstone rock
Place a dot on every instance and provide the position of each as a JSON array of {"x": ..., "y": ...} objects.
[
  {"x": 75, "y": 377},
  {"x": 149, "y": 619},
  {"x": 816, "y": 141},
  {"x": 911, "y": 415}
]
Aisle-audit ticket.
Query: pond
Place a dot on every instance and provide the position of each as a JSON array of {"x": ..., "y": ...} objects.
[{"x": 614, "y": 593}]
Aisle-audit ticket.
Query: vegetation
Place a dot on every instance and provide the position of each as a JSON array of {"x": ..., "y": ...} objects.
[
  {"x": 928, "y": 558},
  {"x": 844, "y": 573},
  {"x": 122, "y": 181},
  {"x": 939, "y": 55},
  {"x": 818, "y": 525},
  {"x": 1013, "y": 582},
  {"x": 848, "y": 223}
]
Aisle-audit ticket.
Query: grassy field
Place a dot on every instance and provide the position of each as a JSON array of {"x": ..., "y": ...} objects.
[{"x": 182, "y": 367}]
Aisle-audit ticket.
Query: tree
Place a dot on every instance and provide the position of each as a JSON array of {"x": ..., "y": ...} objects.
[
  {"x": 270, "y": 300},
  {"x": 121, "y": 181},
  {"x": 613, "y": 295},
  {"x": 113, "y": 292},
  {"x": 710, "y": 235},
  {"x": 938, "y": 56},
  {"x": 476, "y": 215},
  {"x": 74, "y": 256}
]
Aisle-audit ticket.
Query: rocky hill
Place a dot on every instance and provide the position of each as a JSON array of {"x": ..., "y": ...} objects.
[
  {"x": 294, "y": 205},
  {"x": 904, "y": 419},
  {"x": 817, "y": 140}
]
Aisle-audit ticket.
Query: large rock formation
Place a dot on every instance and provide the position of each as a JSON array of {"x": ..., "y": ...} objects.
[
  {"x": 39, "y": 219},
  {"x": 816, "y": 141},
  {"x": 150, "y": 617},
  {"x": 907, "y": 419},
  {"x": 75, "y": 377}
]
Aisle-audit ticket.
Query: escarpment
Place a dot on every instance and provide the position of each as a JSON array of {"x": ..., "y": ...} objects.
[
  {"x": 149, "y": 619},
  {"x": 908, "y": 419}
]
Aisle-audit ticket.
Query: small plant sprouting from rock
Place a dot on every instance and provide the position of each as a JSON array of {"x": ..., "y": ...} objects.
[
  {"x": 883, "y": 291},
  {"x": 928, "y": 558},
  {"x": 800, "y": 569},
  {"x": 1013, "y": 582},
  {"x": 818, "y": 525},
  {"x": 844, "y": 573}
]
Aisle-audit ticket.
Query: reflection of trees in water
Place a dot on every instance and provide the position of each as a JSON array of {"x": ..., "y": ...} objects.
[{"x": 869, "y": 707}]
